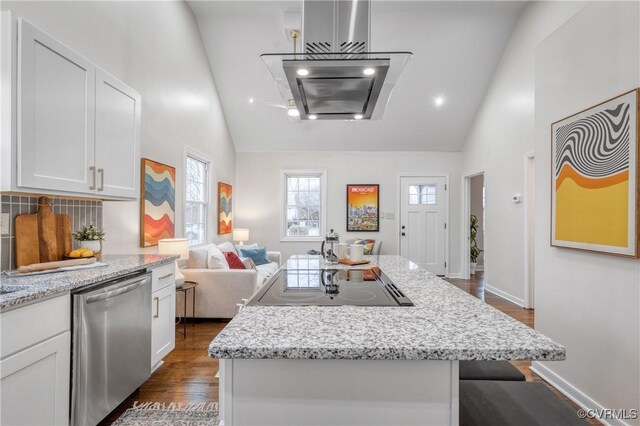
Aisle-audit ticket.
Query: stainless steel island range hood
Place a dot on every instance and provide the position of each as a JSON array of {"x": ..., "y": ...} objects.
[{"x": 336, "y": 77}]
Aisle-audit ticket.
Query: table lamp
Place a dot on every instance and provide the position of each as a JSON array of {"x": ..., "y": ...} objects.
[
  {"x": 178, "y": 246},
  {"x": 241, "y": 235}
]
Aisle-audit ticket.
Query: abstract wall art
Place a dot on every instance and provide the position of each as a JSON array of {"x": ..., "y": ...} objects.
[
  {"x": 225, "y": 210},
  {"x": 158, "y": 194},
  {"x": 363, "y": 213},
  {"x": 594, "y": 191}
]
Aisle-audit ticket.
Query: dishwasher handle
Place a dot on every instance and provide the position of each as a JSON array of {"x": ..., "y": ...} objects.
[{"x": 114, "y": 293}]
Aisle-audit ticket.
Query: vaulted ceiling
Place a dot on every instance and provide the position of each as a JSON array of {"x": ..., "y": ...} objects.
[{"x": 456, "y": 47}]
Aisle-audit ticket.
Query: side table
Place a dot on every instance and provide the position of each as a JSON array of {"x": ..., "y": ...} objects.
[{"x": 184, "y": 288}]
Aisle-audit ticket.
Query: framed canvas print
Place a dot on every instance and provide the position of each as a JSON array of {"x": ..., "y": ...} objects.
[
  {"x": 363, "y": 213},
  {"x": 225, "y": 208},
  {"x": 594, "y": 190},
  {"x": 158, "y": 194}
]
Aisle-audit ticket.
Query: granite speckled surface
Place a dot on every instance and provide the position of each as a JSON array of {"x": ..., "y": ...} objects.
[
  {"x": 446, "y": 323},
  {"x": 29, "y": 289}
]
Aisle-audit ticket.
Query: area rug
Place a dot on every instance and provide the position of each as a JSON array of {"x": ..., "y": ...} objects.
[{"x": 162, "y": 414}]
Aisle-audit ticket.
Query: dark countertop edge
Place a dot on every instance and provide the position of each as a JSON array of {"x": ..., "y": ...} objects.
[{"x": 47, "y": 293}]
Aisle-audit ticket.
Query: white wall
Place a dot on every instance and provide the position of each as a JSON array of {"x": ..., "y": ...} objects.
[
  {"x": 258, "y": 192},
  {"x": 501, "y": 135},
  {"x": 588, "y": 302},
  {"x": 155, "y": 47}
]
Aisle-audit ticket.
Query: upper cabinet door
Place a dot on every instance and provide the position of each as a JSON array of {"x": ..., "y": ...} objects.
[
  {"x": 56, "y": 105},
  {"x": 117, "y": 137}
]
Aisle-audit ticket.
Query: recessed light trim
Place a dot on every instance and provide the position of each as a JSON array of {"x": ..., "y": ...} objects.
[
  {"x": 313, "y": 117},
  {"x": 293, "y": 112},
  {"x": 302, "y": 72},
  {"x": 251, "y": 100},
  {"x": 438, "y": 101},
  {"x": 357, "y": 117},
  {"x": 369, "y": 71}
]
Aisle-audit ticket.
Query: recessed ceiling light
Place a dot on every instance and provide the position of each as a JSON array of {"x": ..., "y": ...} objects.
[
  {"x": 438, "y": 101},
  {"x": 358, "y": 117},
  {"x": 369, "y": 71},
  {"x": 293, "y": 112},
  {"x": 251, "y": 100},
  {"x": 303, "y": 72},
  {"x": 313, "y": 117}
]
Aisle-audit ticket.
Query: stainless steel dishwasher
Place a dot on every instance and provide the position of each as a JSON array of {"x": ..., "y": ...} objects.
[{"x": 111, "y": 354}]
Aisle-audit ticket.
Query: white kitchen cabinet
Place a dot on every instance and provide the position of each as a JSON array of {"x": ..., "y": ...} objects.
[
  {"x": 35, "y": 363},
  {"x": 56, "y": 146},
  {"x": 117, "y": 137},
  {"x": 68, "y": 127},
  {"x": 35, "y": 384},
  {"x": 163, "y": 335}
]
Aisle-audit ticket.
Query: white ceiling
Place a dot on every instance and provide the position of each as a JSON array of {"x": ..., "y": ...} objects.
[{"x": 456, "y": 47}]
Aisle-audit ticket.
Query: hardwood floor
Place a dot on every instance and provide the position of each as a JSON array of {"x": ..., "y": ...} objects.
[{"x": 188, "y": 374}]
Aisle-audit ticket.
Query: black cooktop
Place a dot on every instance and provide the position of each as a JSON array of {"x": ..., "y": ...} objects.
[{"x": 330, "y": 287}]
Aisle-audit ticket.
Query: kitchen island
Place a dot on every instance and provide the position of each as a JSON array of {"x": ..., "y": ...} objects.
[{"x": 364, "y": 365}]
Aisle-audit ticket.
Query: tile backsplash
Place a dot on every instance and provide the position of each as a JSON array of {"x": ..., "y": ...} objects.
[{"x": 82, "y": 212}]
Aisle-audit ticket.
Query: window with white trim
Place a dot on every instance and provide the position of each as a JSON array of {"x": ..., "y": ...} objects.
[
  {"x": 303, "y": 205},
  {"x": 196, "y": 200}
]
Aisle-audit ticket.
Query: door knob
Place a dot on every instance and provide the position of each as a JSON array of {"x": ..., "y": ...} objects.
[
  {"x": 403, "y": 226},
  {"x": 403, "y": 234}
]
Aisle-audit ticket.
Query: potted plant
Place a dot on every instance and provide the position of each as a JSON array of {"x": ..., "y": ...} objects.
[
  {"x": 90, "y": 238},
  {"x": 474, "y": 249}
]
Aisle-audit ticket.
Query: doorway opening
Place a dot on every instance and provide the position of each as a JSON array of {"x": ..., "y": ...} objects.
[
  {"x": 474, "y": 235},
  {"x": 529, "y": 229}
]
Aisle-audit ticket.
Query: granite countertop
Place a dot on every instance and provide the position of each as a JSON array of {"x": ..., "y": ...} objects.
[
  {"x": 33, "y": 288},
  {"x": 446, "y": 323}
]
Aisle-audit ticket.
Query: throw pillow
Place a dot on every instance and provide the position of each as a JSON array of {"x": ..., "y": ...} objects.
[
  {"x": 226, "y": 246},
  {"x": 247, "y": 247},
  {"x": 216, "y": 259},
  {"x": 368, "y": 245},
  {"x": 259, "y": 256},
  {"x": 198, "y": 257},
  {"x": 233, "y": 260},
  {"x": 248, "y": 263}
]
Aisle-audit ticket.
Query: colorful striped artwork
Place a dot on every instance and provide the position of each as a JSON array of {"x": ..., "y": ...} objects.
[
  {"x": 595, "y": 178},
  {"x": 158, "y": 211},
  {"x": 225, "y": 210}
]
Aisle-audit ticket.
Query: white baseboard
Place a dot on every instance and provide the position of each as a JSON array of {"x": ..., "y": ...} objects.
[
  {"x": 571, "y": 392},
  {"x": 511, "y": 298},
  {"x": 455, "y": 275}
]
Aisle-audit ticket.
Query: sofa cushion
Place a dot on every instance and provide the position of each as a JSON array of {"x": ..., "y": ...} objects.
[
  {"x": 265, "y": 272},
  {"x": 259, "y": 256},
  {"x": 216, "y": 259},
  {"x": 226, "y": 246},
  {"x": 198, "y": 256},
  {"x": 248, "y": 263},
  {"x": 246, "y": 247},
  {"x": 233, "y": 260}
]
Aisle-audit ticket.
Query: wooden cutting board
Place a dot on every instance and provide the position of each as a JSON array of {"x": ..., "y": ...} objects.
[
  {"x": 350, "y": 262},
  {"x": 43, "y": 236}
]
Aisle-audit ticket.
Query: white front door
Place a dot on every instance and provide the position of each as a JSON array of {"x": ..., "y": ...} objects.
[{"x": 423, "y": 217}]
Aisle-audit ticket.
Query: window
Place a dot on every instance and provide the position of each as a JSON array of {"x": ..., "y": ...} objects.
[
  {"x": 303, "y": 207},
  {"x": 422, "y": 194},
  {"x": 196, "y": 200}
]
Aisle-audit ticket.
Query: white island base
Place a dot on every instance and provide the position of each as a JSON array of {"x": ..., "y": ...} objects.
[{"x": 301, "y": 392}]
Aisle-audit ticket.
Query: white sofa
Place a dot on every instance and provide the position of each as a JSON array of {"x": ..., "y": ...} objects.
[{"x": 219, "y": 290}]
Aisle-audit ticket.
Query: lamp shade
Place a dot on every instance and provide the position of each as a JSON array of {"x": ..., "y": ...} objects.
[
  {"x": 174, "y": 246},
  {"x": 240, "y": 234}
]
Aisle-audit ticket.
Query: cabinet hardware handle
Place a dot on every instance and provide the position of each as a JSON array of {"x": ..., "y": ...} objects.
[
  {"x": 403, "y": 234},
  {"x": 165, "y": 277},
  {"x": 93, "y": 169},
  {"x": 101, "y": 171},
  {"x": 157, "y": 299}
]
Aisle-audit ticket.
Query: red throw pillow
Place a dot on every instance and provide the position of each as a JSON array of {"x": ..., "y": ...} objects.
[{"x": 233, "y": 260}]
